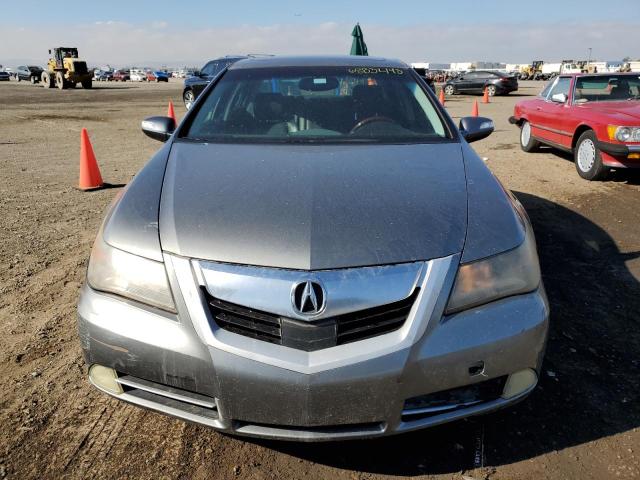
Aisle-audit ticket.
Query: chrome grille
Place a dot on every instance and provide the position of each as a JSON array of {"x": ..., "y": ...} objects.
[{"x": 312, "y": 335}]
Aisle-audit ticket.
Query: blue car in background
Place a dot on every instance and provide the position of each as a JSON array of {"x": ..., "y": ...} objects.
[{"x": 161, "y": 76}]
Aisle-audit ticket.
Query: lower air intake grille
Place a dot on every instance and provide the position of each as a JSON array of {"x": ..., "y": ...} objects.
[{"x": 315, "y": 335}]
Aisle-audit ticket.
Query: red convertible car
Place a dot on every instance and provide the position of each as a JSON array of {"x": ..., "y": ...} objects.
[{"x": 594, "y": 116}]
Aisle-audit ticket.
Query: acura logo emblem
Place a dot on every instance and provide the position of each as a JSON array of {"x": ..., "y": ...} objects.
[{"x": 308, "y": 298}]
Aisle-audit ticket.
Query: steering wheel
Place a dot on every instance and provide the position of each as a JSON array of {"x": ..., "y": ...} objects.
[{"x": 368, "y": 120}]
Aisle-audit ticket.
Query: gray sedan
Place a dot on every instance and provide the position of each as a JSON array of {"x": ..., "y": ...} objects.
[{"x": 316, "y": 253}]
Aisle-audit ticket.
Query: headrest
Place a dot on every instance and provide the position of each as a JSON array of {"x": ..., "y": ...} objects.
[
  {"x": 366, "y": 93},
  {"x": 270, "y": 107}
]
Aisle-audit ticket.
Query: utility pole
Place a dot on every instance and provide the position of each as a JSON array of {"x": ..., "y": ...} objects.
[{"x": 589, "y": 61}]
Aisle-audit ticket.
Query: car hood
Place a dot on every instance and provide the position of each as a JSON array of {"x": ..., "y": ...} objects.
[
  {"x": 313, "y": 207},
  {"x": 625, "y": 111}
]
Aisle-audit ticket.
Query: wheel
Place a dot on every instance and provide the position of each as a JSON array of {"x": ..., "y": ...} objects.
[
  {"x": 17, "y": 77},
  {"x": 188, "y": 98},
  {"x": 449, "y": 90},
  {"x": 33, "y": 79},
  {"x": 588, "y": 159},
  {"x": 60, "y": 83},
  {"x": 157, "y": 81},
  {"x": 47, "y": 81},
  {"x": 527, "y": 142},
  {"x": 87, "y": 84},
  {"x": 491, "y": 90},
  {"x": 71, "y": 84}
]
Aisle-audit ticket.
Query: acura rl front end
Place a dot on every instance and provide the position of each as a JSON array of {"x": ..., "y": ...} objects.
[{"x": 316, "y": 253}]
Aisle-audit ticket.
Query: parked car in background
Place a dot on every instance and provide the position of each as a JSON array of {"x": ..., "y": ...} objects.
[
  {"x": 103, "y": 76},
  {"x": 496, "y": 83},
  {"x": 120, "y": 76},
  {"x": 596, "y": 117},
  {"x": 4, "y": 76},
  {"x": 157, "y": 76},
  {"x": 317, "y": 253},
  {"x": 137, "y": 75},
  {"x": 194, "y": 85},
  {"x": 28, "y": 73}
]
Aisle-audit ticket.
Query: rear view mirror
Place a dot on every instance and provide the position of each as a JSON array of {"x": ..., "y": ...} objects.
[
  {"x": 475, "y": 128},
  {"x": 158, "y": 128},
  {"x": 559, "y": 98},
  {"x": 318, "y": 84}
]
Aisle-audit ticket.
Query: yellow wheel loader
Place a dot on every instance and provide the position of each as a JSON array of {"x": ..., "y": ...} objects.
[{"x": 64, "y": 70}]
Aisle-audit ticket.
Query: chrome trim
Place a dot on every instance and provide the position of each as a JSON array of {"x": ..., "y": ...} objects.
[
  {"x": 434, "y": 276},
  {"x": 168, "y": 392},
  {"x": 345, "y": 290},
  {"x": 442, "y": 408},
  {"x": 552, "y": 130}
]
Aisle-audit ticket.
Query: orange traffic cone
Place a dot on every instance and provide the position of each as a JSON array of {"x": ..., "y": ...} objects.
[
  {"x": 441, "y": 97},
  {"x": 171, "y": 113},
  {"x": 90, "y": 177},
  {"x": 485, "y": 98},
  {"x": 474, "y": 110}
]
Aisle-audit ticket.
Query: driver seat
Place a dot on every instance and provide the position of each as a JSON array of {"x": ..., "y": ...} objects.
[{"x": 369, "y": 102}]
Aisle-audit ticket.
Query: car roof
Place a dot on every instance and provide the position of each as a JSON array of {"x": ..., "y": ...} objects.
[
  {"x": 317, "y": 61},
  {"x": 597, "y": 74}
]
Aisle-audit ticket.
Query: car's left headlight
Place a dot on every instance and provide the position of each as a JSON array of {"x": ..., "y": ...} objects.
[
  {"x": 510, "y": 273},
  {"x": 623, "y": 133},
  {"x": 115, "y": 271}
]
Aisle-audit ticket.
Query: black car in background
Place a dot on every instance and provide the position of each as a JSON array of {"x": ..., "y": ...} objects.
[
  {"x": 195, "y": 84},
  {"x": 4, "y": 76},
  {"x": 496, "y": 83},
  {"x": 28, "y": 73}
]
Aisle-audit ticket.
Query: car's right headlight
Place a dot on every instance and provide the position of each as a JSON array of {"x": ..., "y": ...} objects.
[
  {"x": 115, "y": 271},
  {"x": 510, "y": 273}
]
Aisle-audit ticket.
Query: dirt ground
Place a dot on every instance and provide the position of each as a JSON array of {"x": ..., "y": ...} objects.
[{"x": 581, "y": 422}]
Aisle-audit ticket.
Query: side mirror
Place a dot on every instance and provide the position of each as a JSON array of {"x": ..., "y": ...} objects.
[
  {"x": 475, "y": 128},
  {"x": 559, "y": 98},
  {"x": 158, "y": 128}
]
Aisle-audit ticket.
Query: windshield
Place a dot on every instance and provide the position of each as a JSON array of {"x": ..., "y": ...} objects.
[
  {"x": 315, "y": 104},
  {"x": 607, "y": 88}
]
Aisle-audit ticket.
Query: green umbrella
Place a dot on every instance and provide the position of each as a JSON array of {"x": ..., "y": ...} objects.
[{"x": 358, "y": 47}]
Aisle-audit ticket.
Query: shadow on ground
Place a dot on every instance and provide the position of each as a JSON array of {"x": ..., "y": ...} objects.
[
  {"x": 590, "y": 382},
  {"x": 623, "y": 175}
]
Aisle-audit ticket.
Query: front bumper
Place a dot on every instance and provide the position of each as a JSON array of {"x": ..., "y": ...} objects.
[{"x": 164, "y": 364}]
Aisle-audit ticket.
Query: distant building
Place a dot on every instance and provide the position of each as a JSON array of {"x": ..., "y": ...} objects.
[{"x": 431, "y": 65}]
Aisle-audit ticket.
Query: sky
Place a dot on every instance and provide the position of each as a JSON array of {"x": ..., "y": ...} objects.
[{"x": 188, "y": 32}]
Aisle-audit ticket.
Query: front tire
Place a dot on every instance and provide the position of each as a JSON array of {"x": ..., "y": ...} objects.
[
  {"x": 491, "y": 90},
  {"x": 87, "y": 84},
  {"x": 188, "y": 97},
  {"x": 449, "y": 90},
  {"x": 60, "y": 83},
  {"x": 588, "y": 159},
  {"x": 47, "y": 81},
  {"x": 527, "y": 142},
  {"x": 17, "y": 77}
]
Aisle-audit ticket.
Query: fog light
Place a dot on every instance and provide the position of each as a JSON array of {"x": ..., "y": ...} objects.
[
  {"x": 105, "y": 378},
  {"x": 519, "y": 382}
]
